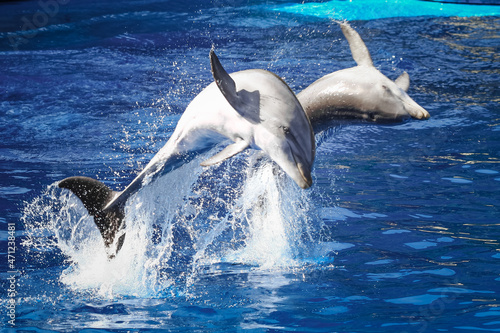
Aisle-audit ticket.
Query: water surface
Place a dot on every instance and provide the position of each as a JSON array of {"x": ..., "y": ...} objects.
[{"x": 400, "y": 231}]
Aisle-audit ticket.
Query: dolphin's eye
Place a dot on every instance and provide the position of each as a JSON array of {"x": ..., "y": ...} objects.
[{"x": 286, "y": 130}]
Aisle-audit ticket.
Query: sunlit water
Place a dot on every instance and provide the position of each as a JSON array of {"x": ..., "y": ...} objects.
[{"x": 398, "y": 233}]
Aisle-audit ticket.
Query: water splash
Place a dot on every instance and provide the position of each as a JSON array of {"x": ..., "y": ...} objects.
[
  {"x": 245, "y": 211},
  {"x": 275, "y": 214}
]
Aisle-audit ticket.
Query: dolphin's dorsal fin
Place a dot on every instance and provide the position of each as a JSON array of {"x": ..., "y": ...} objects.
[
  {"x": 403, "y": 81},
  {"x": 359, "y": 50},
  {"x": 223, "y": 80},
  {"x": 226, "y": 153},
  {"x": 246, "y": 103},
  {"x": 95, "y": 196}
]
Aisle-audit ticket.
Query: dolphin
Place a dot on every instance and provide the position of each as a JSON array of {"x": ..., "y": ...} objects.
[
  {"x": 360, "y": 92},
  {"x": 252, "y": 108}
]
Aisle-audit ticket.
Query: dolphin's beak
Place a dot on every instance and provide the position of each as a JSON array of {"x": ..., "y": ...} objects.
[
  {"x": 292, "y": 159},
  {"x": 303, "y": 157},
  {"x": 415, "y": 110},
  {"x": 305, "y": 172}
]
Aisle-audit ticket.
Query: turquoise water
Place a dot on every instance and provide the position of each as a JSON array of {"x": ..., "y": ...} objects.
[
  {"x": 372, "y": 10},
  {"x": 399, "y": 233}
]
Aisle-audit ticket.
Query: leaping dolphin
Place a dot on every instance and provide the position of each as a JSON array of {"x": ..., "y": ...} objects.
[
  {"x": 253, "y": 108},
  {"x": 360, "y": 92}
]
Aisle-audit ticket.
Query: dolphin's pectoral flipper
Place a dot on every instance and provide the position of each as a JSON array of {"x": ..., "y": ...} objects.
[
  {"x": 95, "y": 196},
  {"x": 358, "y": 48},
  {"x": 403, "y": 81},
  {"x": 226, "y": 153},
  {"x": 246, "y": 103}
]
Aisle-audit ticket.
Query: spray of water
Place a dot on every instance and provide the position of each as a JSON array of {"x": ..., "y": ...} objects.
[
  {"x": 244, "y": 211},
  {"x": 275, "y": 215}
]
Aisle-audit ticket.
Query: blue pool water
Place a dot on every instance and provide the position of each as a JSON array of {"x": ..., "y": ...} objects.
[{"x": 399, "y": 233}]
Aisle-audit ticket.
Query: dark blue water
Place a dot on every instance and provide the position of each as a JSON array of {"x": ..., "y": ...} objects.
[{"x": 399, "y": 233}]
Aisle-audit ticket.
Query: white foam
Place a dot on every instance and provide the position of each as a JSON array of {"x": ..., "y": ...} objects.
[
  {"x": 275, "y": 210},
  {"x": 246, "y": 212}
]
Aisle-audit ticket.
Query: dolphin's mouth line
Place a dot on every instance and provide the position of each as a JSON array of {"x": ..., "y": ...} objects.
[
  {"x": 307, "y": 180},
  {"x": 296, "y": 143}
]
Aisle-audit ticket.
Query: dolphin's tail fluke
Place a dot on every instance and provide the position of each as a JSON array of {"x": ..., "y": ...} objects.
[{"x": 95, "y": 196}]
